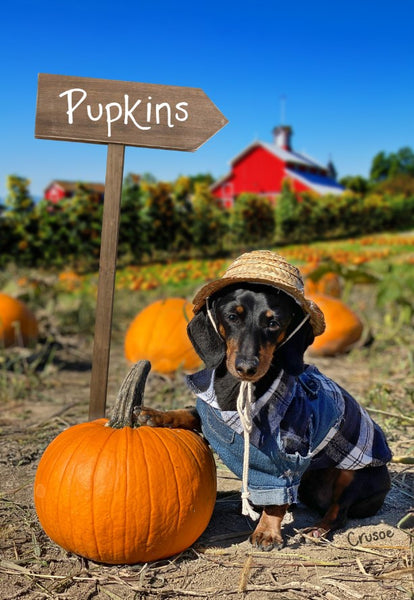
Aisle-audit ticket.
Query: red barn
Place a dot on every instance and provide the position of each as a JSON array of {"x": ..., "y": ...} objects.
[
  {"x": 57, "y": 190},
  {"x": 261, "y": 168}
]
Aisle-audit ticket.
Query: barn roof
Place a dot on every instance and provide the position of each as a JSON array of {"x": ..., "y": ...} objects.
[
  {"x": 287, "y": 156},
  {"x": 322, "y": 184},
  {"x": 293, "y": 157},
  {"x": 72, "y": 186}
]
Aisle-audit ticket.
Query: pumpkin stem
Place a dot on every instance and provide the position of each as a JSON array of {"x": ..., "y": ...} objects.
[{"x": 130, "y": 396}]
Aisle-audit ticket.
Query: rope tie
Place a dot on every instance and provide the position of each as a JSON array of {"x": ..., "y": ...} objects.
[
  {"x": 244, "y": 405},
  {"x": 306, "y": 318}
]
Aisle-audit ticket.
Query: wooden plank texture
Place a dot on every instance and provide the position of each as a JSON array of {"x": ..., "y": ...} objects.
[
  {"x": 105, "y": 111},
  {"x": 106, "y": 281}
]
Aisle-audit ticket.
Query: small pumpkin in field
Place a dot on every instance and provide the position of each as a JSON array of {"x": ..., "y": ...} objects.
[
  {"x": 159, "y": 334},
  {"x": 18, "y": 325},
  {"x": 119, "y": 493},
  {"x": 70, "y": 280},
  {"x": 330, "y": 284},
  {"x": 343, "y": 327},
  {"x": 318, "y": 280}
]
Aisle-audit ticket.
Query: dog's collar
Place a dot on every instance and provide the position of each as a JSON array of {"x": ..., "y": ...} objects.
[{"x": 291, "y": 334}]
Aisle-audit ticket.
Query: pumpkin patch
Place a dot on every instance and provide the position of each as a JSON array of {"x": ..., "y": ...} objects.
[
  {"x": 18, "y": 325},
  {"x": 159, "y": 334},
  {"x": 119, "y": 493}
]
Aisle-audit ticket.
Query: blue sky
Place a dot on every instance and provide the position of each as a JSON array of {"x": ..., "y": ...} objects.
[{"x": 345, "y": 68}]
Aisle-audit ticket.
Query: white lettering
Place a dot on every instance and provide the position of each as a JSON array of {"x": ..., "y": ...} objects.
[
  {"x": 111, "y": 119},
  {"x": 129, "y": 111},
  {"x": 179, "y": 107},
  {"x": 71, "y": 108},
  {"x": 149, "y": 109},
  {"x": 90, "y": 115},
  {"x": 158, "y": 108},
  {"x": 162, "y": 113}
]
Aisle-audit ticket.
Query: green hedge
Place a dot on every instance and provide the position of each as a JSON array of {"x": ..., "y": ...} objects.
[
  {"x": 160, "y": 220},
  {"x": 305, "y": 217}
]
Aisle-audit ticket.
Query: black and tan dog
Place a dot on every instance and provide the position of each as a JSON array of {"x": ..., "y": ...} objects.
[{"x": 309, "y": 439}]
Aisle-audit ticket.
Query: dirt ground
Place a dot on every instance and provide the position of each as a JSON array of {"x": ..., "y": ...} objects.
[{"x": 371, "y": 558}]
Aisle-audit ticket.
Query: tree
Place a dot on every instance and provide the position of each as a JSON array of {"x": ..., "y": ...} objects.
[
  {"x": 18, "y": 198},
  {"x": 158, "y": 215},
  {"x": 209, "y": 223},
  {"x": 183, "y": 213},
  {"x": 401, "y": 184},
  {"x": 6, "y": 237},
  {"x": 356, "y": 183},
  {"x": 84, "y": 211},
  {"x": 403, "y": 162},
  {"x": 286, "y": 211},
  {"x": 380, "y": 167},
  {"x": 56, "y": 242},
  {"x": 389, "y": 165},
  {"x": 133, "y": 238},
  {"x": 148, "y": 177},
  {"x": 252, "y": 219},
  {"x": 205, "y": 178},
  {"x": 20, "y": 219}
]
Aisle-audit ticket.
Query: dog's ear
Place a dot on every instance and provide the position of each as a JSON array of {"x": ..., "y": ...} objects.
[
  {"x": 290, "y": 355},
  {"x": 208, "y": 344}
]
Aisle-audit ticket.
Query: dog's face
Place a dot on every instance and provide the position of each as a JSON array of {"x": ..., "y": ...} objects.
[{"x": 252, "y": 322}]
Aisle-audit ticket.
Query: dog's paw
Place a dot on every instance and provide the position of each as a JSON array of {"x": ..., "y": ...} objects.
[
  {"x": 266, "y": 541},
  {"x": 150, "y": 417},
  {"x": 314, "y": 534}
]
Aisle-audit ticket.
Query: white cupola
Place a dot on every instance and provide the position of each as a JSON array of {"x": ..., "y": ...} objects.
[{"x": 282, "y": 135}]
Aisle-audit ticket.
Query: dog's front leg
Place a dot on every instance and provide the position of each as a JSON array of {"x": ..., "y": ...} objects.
[
  {"x": 268, "y": 533},
  {"x": 177, "y": 419}
]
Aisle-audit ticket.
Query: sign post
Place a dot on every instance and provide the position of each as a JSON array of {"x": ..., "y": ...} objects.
[
  {"x": 106, "y": 280},
  {"x": 119, "y": 114}
]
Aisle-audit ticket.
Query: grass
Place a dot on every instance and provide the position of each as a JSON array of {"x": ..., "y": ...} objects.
[{"x": 65, "y": 307}]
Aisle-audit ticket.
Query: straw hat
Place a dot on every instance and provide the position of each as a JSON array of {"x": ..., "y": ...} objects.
[{"x": 268, "y": 268}]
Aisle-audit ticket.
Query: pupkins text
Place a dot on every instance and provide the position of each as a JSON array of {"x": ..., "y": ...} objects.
[{"x": 140, "y": 113}]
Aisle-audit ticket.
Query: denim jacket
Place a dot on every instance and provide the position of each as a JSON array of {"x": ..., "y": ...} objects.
[{"x": 300, "y": 423}]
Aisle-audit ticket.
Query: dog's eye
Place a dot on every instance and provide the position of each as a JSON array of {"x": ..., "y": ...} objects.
[
  {"x": 273, "y": 324},
  {"x": 232, "y": 317}
]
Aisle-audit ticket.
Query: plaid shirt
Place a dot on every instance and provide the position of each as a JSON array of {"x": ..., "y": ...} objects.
[{"x": 313, "y": 416}]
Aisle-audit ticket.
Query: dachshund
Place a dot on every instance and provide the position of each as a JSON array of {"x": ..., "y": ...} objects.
[{"x": 245, "y": 333}]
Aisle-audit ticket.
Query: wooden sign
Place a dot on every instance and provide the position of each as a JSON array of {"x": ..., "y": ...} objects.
[
  {"x": 119, "y": 113},
  {"x": 101, "y": 111}
]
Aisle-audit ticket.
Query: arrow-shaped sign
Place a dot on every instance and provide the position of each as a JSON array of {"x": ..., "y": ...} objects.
[
  {"x": 119, "y": 114},
  {"x": 103, "y": 111}
]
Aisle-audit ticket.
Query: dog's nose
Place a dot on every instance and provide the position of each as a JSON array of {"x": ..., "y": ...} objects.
[{"x": 246, "y": 366}]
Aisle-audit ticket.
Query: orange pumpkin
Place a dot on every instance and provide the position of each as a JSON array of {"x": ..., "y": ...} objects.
[
  {"x": 118, "y": 493},
  {"x": 70, "y": 280},
  {"x": 159, "y": 334},
  {"x": 329, "y": 284},
  {"x": 343, "y": 327},
  {"x": 18, "y": 325}
]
